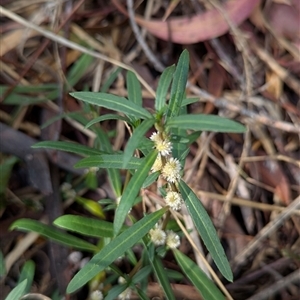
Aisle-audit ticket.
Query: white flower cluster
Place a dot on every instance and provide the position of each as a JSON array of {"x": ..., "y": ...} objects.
[
  {"x": 168, "y": 166},
  {"x": 171, "y": 169},
  {"x": 96, "y": 295},
  {"x": 125, "y": 295},
  {"x": 174, "y": 200},
  {"x": 160, "y": 237}
]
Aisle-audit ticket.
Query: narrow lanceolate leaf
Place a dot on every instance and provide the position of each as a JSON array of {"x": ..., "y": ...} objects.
[
  {"x": 85, "y": 226},
  {"x": 53, "y": 234},
  {"x": 202, "y": 283},
  {"x": 18, "y": 291},
  {"x": 163, "y": 87},
  {"x": 161, "y": 275},
  {"x": 113, "y": 102},
  {"x": 27, "y": 272},
  {"x": 114, "y": 250},
  {"x": 68, "y": 147},
  {"x": 134, "y": 89},
  {"x": 206, "y": 229},
  {"x": 178, "y": 85},
  {"x": 106, "y": 117},
  {"x": 178, "y": 147},
  {"x": 109, "y": 161},
  {"x": 205, "y": 122},
  {"x": 132, "y": 190},
  {"x": 135, "y": 139},
  {"x": 114, "y": 176}
]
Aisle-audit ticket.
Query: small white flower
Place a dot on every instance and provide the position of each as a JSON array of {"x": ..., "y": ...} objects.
[
  {"x": 121, "y": 280},
  {"x": 158, "y": 236},
  {"x": 66, "y": 186},
  {"x": 126, "y": 295},
  {"x": 164, "y": 147},
  {"x": 75, "y": 257},
  {"x": 171, "y": 170},
  {"x": 174, "y": 200},
  {"x": 157, "y": 166},
  {"x": 155, "y": 137},
  {"x": 83, "y": 262},
  {"x": 96, "y": 295},
  {"x": 93, "y": 170},
  {"x": 118, "y": 200},
  {"x": 172, "y": 240}
]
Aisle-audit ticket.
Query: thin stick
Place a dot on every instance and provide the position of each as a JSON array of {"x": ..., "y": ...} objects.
[
  {"x": 241, "y": 258},
  {"x": 61, "y": 40}
]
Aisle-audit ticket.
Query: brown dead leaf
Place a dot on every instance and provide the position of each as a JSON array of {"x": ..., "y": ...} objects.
[
  {"x": 274, "y": 84},
  {"x": 200, "y": 27},
  {"x": 271, "y": 173}
]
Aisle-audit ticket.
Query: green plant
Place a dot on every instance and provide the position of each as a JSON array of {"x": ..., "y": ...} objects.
[{"x": 161, "y": 157}]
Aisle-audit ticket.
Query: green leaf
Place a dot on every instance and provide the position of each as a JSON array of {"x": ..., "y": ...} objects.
[
  {"x": 113, "y": 102},
  {"x": 179, "y": 148},
  {"x": 163, "y": 87},
  {"x": 162, "y": 277},
  {"x": 206, "y": 229},
  {"x": 150, "y": 179},
  {"x": 85, "y": 226},
  {"x": 27, "y": 272},
  {"x": 202, "y": 283},
  {"x": 109, "y": 161},
  {"x": 132, "y": 190},
  {"x": 112, "y": 77},
  {"x": 18, "y": 291},
  {"x": 114, "y": 250},
  {"x": 79, "y": 68},
  {"x": 2, "y": 265},
  {"x": 106, "y": 117},
  {"x": 68, "y": 147},
  {"x": 53, "y": 234},
  {"x": 135, "y": 139},
  {"x": 113, "y": 175},
  {"x": 141, "y": 274},
  {"x": 178, "y": 85},
  {"x": 116, "y": 291},
  {"x": 92, "y": 206},
  {"x": 205, "y": 122},
  {"x": 134, "y": 89},
  {"x": 188, "y": 101},
  {"x": 5, "y": 172}
]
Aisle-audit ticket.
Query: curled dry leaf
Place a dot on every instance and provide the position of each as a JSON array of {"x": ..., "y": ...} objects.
[
  {"x": 284, "y": 20},
  {"x": 202, "y": 26}
]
